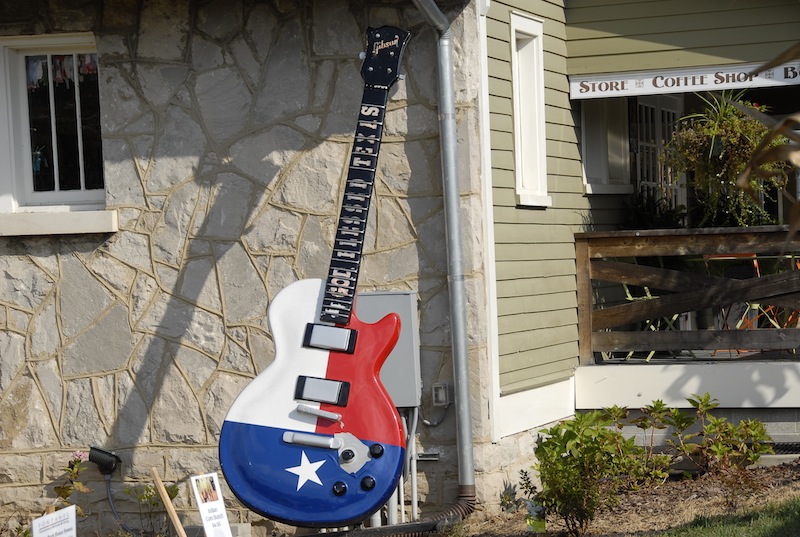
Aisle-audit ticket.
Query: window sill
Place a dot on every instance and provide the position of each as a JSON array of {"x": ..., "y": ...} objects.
[
  {"x": 608, "y": 189},
  {"x": 58, "y": 223},
  {"x": 534, "y": 200}
]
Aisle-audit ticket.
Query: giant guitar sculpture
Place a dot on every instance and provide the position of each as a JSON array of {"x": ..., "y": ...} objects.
[{"x": 315, "y": 440}]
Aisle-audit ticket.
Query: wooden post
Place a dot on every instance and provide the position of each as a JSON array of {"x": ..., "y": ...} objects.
[
  {"x": 583, "y": 281},
  {"x": 173, "y": 515}
]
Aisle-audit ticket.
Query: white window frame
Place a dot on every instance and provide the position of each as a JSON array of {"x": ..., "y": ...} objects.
[
  {"x": 530, "y": 147},
  {"x": 604, "y": 136},
  {"x": 23, "y": 211}
]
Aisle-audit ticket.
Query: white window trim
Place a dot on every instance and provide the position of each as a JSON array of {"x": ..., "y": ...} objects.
[
  {"x": 530, "y": 147},
  {"x": 21, "y": 213}
]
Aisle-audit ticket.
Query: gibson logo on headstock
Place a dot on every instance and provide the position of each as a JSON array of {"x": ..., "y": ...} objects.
[{"x": 380, "y": 45}]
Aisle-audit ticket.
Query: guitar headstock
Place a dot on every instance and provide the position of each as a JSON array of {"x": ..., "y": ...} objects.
[{"x": 384, "y": 49}]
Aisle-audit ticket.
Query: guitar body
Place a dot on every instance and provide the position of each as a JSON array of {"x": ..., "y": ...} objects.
[{"x": 296, "y": 481}]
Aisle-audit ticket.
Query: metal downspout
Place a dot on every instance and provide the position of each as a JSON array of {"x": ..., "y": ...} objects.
[{"x": 455, "y": 278}]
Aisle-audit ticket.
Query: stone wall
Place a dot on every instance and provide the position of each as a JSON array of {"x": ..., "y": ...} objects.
[{"x": 227, "y": 126}]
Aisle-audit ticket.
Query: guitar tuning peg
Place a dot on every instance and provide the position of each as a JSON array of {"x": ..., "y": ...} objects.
[
  {"x": 362, "y": 55},
  {"x": 401, "y": 77}
]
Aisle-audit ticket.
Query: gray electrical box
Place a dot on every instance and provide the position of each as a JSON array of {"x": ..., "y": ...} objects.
[{"x": 401, "y": 372}]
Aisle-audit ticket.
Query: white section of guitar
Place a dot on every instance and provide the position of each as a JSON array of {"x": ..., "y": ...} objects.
[{"x": 289, "y": 312}]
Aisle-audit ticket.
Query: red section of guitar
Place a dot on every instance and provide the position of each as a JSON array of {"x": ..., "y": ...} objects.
[{"x": 370, "y": 412}]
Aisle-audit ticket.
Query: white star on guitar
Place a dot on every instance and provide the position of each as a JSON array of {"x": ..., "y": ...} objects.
[{"x": 307, "y": 471}]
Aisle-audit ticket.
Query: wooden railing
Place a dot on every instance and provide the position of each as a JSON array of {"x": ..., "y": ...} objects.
[{"x": 626, "y": 259}]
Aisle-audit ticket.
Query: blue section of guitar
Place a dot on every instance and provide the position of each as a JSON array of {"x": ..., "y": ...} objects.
[{"x": 310, "y": 484}]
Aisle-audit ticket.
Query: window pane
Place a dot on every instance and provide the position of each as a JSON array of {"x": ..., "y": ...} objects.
[
  {"x": 40, "y": 126},
  {"x": 69, "y": 171},
  {"x": 90, "y": 121},
  {"x": 64, "y": 114}
]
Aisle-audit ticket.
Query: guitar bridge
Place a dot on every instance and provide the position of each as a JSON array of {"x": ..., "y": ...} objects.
[{"x": 330, "y": 338}]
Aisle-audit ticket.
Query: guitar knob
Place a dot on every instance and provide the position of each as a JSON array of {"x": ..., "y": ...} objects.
[
  {"x": 376, "y": 451},
  {"x": 339, "y": 488},
  {"x": 348, "y": 455},
  {"x": 368, "y": 483}
]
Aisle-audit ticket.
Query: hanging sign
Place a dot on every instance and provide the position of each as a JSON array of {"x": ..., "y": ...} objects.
[{"x": 682, "y": 80}]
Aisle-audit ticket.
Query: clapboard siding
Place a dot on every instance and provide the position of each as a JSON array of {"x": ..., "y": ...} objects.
[
  {"x": 689, "y": 22},
  {"x": 589, "y": 11},
  {"x": 524, "y": 322},
  {"x": 519, "y": 254},
  {"x": 548, "y": 361},
  {"x": 706, "y": 40},
  {"x": 540, "y": 374},
  {"x": 523, "y": 293},
  {"x": 501, "y": 122},
  {"x": 516, "y": 343},
  {"x": 614, "y": 35},
  {"x": 499, "y": 71},
  {"x": 534, "y": 247}
]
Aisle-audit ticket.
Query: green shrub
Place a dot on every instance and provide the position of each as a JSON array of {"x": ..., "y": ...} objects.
[
  {"x": 578, "y": 464},
  {"x": 718, "y": 445},
  {"x": 584, "y": 462}
]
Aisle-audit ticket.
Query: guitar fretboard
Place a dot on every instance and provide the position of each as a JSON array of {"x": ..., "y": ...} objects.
[{"x": 340, "y": 287}]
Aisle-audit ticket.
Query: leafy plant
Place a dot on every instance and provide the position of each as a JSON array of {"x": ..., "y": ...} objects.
[
  {"x": 152, "y": 513},
  {"x": 714, "y": 147},
  {"x": 718, "y": 445},
  {"x": 72, "y": 482},
  {"x": 526, "y": 483},
  {"x": 720, "y": 448},
  {"x": 654, "y": 466},
  {"x": 510, "y": 502},
  {"x": 508, "y": 497},
  {"x": 578, "y": 466},
  {"x": 584, "y": 462}
]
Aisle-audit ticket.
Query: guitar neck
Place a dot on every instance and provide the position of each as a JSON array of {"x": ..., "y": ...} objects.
[{"x": 340, "y": 286}]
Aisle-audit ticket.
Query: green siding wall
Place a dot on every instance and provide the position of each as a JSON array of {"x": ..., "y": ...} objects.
[
  {"x": 629, "y": 35},
  {"x": 534, "y": 248}
]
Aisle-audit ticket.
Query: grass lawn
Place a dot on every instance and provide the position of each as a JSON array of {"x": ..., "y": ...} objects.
[{"x": 776, "y": 520}]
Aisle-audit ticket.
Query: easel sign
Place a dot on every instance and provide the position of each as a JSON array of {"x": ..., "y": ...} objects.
[
  {"x": 61, "y": 523},
  {"x": 211, "y": 505}
]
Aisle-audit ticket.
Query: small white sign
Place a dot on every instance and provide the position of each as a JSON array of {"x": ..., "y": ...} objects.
[
  {"x": 58, "y": 524},
  {"x": 211, "y": 505}
]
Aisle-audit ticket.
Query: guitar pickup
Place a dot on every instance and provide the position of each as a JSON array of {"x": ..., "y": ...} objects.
[
  {"x": 331, "y": 338},
  {"x": 334, "y": 392}
]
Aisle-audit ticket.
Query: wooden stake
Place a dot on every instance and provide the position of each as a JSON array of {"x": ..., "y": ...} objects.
[{"x": 173, "y": 515}]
